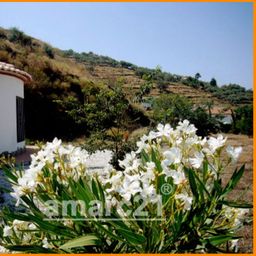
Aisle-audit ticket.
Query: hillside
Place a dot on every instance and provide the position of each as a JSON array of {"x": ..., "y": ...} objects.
[{"x": 64, "y": 77}]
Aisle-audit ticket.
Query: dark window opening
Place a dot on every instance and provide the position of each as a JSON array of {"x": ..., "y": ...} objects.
[{"x": 20, "y": 119}]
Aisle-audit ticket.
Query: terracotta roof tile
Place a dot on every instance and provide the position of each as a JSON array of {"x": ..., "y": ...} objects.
[{"x": 9, "y": 69}]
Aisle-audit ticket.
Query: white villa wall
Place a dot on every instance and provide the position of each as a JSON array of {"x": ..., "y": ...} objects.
[{"x": 10, "y": 87}]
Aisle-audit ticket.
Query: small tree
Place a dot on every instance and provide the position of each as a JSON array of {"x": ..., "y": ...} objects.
[
  {"x": 173, "y": 108},
  {"x": 243, "y": 120},
  {"x": 197, "y": 76},
  {"x": 15, "y": 35},
  {"x": 213, "y": 82},
  {"x": 49, "y": 51}
]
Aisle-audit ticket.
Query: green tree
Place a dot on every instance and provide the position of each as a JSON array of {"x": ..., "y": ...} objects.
[
  {"x": 174, "y": 108},
  {"x": 213, "y": 82},
  {"x": 197, "y": 76},
  {"x": 49, "y": 51},
  {"x": 171, "y": 109},
  {"x": 243, "y": 120}
]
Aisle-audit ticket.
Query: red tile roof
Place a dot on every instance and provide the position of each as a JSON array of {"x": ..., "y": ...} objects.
[{"x": 9, "y": 69}]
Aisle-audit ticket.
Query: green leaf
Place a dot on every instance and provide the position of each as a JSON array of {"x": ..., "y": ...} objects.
[
  {"x": 28, "y": 248},
  {"x": 192, "y": 182},
  {"x": 44, "y": 225},
  {"x": 131, "y": 236},
  {"x": 95, "y": 189},
  {"x": 127, "y": 233},
  {"x": 9, "y": 174},
  {"x": 156, "y": 160},
  {"x": 202, "y": 186},
  {"x": 234, "y": 180},
  {"x": 107, "y": 232},
  {"x": 216, "y": 240},
  {"x": 217, "y": 187},
  {"x": 205, "y": 170},
  {"x": 144, "y": 156},
  {"x": 237, "y": 205},
  {"x": 88, "y": 240}
]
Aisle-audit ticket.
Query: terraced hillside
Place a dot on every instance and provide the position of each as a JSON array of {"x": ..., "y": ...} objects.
[{"x": 60, "y": 76}]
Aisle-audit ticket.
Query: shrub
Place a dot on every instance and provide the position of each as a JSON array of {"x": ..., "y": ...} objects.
[
  {"x": 243, "y": 120},
  {"x": 173, "y": 108},
  {"x": 169, "y": 199},
  {"x": 213, "y": 82},
  {"x": 49, "y": 51},
  {"x": 2, "y": 34},
  {"x": 15, "y": 35}
]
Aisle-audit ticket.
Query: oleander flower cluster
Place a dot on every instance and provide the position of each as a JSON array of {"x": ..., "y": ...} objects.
[{"x": 169, "y": 188}]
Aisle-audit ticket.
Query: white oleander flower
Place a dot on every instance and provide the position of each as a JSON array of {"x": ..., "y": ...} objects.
[
  {"x": 19, "y": 225},
  {"x": 46, "y": 243},
  {"x": 152, "y": 135},
  {"x": 164, "y": 130},
  {"x": 191, "y": 141},
  {"x": 234, "y": 245},
  {"x": 3, "y": 250},
  {"x": 32, "y": 226},
  {"x": 186, "y": 127},
  {"x": 130, "y": 187},
  {"x": 149, "y": 175},
  {"x": 187, "y": 201},
  {"x": 234, "y": 153},
  {"x": 130, "y": 162},
  {"x": 235, "y": 214},
  {"x": 149, "y": 192},
  {"x": 215, "y": 143},
  {"x": 197, "y": 161},
  {"x": 54, "y": 145},
  {"x": 172, "y": 156},
  {"x": 141, "y": 144},
  {"x": 7, "y": 231},
  {"x": 178, "y": 177}
]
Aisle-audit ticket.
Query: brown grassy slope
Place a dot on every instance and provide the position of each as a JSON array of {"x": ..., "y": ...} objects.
[{"x": 32, "y": 57}]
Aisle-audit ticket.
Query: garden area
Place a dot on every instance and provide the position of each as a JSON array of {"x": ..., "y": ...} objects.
[{"x": 174, "y": 179}]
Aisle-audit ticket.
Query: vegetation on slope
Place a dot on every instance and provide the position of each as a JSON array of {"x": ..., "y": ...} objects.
[{"x": 71, "y": 92}]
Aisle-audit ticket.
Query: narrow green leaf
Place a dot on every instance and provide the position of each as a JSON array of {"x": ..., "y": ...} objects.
[
  {"x": 95, "y": 189},
  {"x": 156, "y": 160},
  {"x": 237, "y": 205},
  {"x": 88, "y": 240},
  {"x": 144, "y": 156},
  {"x": 234, "y": 180},
  {"x": 107, "y": 232},
  {"x": 192, "y": 183},
  {"x": 217, "y": 240},
  {"x": 29, "y": 248},
  {"x": 9, "y": 174},
  {"x": 202, "y": 185}
]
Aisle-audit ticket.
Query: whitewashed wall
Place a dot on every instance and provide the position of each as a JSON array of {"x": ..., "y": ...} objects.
[{"x": 10, "y": 87}]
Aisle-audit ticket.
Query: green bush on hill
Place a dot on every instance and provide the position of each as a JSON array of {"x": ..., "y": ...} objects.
[
  {"x": 243, "y": 120},
  {"x": 173, "y": 108}
]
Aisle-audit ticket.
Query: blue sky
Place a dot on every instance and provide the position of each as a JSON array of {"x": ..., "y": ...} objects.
[{"x": 214, "y": 39}]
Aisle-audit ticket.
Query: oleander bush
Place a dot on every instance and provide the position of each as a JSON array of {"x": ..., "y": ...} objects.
[{"x": 169, "y": 198}]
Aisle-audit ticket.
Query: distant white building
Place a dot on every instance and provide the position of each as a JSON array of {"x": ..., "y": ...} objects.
[{"x": 12, "y": 130}]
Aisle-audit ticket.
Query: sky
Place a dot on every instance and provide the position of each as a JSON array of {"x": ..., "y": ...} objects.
[{"x": 214, "y": 39}]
